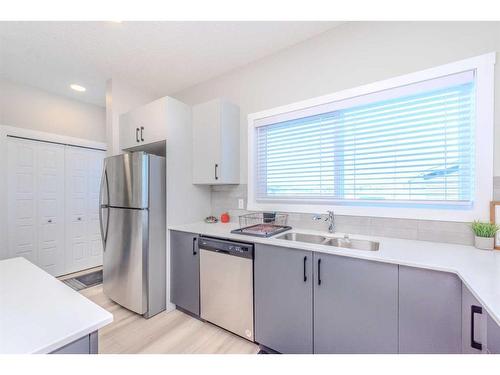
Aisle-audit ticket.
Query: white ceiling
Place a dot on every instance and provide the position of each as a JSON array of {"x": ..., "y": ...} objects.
[{"x": 159, "y": 58}]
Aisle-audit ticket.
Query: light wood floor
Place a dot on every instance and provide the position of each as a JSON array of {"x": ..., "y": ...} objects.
[{"x": 173, "y": 332}]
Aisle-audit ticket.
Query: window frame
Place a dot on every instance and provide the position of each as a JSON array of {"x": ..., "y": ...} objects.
[{"x": 483, "y": 66}]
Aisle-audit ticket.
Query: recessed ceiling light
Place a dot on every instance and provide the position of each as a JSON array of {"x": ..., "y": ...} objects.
[{"x": 77, "y": 87}]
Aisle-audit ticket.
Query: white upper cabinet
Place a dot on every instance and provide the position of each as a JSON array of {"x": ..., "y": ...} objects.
[
  {"x": 144, "y": 125},
  {"x": 216, "y": 143}
]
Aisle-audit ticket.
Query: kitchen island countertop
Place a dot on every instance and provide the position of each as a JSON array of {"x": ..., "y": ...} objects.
[{"x": 38, "y": 313}]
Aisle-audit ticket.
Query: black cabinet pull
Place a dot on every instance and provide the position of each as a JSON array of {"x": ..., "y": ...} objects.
[
  {"x": 305, "y": 276},
  {"x": 474, "y": 310},
  {"x": 216, "y": 166},
  {"x": 194, "y": 246},
  {"x": 319, "y": 271},
  {"x": 137, "y": 134},
  {"x": 142, "y": 129}
]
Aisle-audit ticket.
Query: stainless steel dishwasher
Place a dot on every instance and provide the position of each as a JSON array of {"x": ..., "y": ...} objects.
[{"x": 226, "y": 285}]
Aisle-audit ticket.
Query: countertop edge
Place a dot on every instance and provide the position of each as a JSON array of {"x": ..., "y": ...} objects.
[{"x": 75, "y": 336}]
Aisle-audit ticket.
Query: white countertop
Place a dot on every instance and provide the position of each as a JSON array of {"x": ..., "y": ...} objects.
[
  {"x": 39, "y": 313},
  {"x": 479, "y": 270}
]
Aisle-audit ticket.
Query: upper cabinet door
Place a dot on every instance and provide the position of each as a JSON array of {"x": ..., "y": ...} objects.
[
  {"x": 216, "y": 141},
  {"x": 128, "y": 132},
  {"x": 355, "y": 306},
  {"x": 144, "y": 125}
]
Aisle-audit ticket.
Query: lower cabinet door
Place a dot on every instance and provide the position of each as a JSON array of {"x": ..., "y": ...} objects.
[
  {"x": 283, "y": 299},
  {"x": 185, "y": 271},
  {"x": 355, "y": 305},
  {"x": 430, "y": 311},
  {"x": 493, "y": 346},
  {"x": 473, "y": 324}
]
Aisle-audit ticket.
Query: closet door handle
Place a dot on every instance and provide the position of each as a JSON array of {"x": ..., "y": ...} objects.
[
  {"x": 474, "y": 310},
  {"x": 142, "y": 129},
  {"x": 319, "y": 271},
  {"x": 305, "y": 275},
  {"x": 194, "y": 246},
  {"x": 137, "y": 134},
  {"x": 216, "y": 166},
  {"x": 49, "y": 221}
]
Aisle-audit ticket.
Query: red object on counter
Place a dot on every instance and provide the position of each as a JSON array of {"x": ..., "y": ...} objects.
[{"x": 224, "y": 218}]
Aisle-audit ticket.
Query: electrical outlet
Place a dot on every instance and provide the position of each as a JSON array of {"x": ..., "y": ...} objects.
[{"x": 241, "y": 203}]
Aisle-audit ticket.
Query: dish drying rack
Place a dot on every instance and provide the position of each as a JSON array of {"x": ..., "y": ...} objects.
[{"x": 262, "y": 224}]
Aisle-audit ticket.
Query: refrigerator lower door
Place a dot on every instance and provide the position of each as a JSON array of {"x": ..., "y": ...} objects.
[{"x": 125, "y": 258}]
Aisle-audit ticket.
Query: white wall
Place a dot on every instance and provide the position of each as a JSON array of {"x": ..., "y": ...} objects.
[
  {"x": 350, "y": 55},
  {"x": 31, "y": 108},
  {"x": 120, "y": 98}
]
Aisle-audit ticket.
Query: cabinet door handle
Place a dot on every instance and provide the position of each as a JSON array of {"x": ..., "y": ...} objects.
[
  {"x": 474, "y": 310},
  {"x": 49, "y": 221},
  {"x": 305, "y": 275},
  {"x": 142, "y": 129},
  {"x": 194, "y": 246},
  {"x": 137, "y": 134},
  {"x": 319, "y": 271},
  {"x": 216, "y": 166}
]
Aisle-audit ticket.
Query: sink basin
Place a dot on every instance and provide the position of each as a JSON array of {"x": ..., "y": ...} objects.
[
  {"x": 352, "y": 243},
  {"x": 346, "y": 243},
  {"x": 303, "y": 237}
]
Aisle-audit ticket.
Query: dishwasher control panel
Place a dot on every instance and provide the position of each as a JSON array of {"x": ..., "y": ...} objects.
[{"x": 244, "y": 250}]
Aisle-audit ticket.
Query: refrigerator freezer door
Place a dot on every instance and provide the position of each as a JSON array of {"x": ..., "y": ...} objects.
[
  {"x": 126, "y": 180},
  {"x": 125, "y": 258}
]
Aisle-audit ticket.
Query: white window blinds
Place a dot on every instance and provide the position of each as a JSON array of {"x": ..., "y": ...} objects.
[{"x": 408, "y": 144}]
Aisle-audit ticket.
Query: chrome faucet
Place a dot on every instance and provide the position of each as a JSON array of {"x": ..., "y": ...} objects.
[
  {"x": 330, "y": 218},
  {"x": 331, "y": 221}
]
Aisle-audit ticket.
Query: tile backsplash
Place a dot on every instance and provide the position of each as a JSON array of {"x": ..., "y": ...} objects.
[{"x": 225, "y": 198}]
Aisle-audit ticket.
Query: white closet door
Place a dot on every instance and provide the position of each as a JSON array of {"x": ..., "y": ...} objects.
[
  {"x": 77, "y": 246},
  {"x": 22, "y": 199},
  {"x": 50, "y": 213},
  {"x": 94, "y": 171},
  {"x": 83, "y": 239},
  {"x": 36, "y": 203}
]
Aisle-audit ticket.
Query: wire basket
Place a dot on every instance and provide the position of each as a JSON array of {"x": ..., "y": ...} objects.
[{"x": 275, "y": 218}]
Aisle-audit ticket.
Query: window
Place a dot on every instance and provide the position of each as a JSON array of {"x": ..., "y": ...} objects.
[{"x": 408, "y": 146}]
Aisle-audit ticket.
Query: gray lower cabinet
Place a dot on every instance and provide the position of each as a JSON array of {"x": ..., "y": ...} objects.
[
  {"x": 473, "y": 324},
  {"x": 355, "y": 305},
  {"x": 85, "y": 345},
  {"x": 493, "y": 338},
  {"x": 185, "y": 271},
  {"x": 430, "y": 311},
  {"x": 283, "y": 299}
]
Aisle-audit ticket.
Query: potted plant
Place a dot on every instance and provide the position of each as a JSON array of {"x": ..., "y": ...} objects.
[{"x": 484, "y": 234}]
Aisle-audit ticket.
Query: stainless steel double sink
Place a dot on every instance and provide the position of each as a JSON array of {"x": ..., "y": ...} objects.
[{"x": 342, "y": 242}]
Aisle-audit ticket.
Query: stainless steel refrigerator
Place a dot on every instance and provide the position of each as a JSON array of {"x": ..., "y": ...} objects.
[{"x": 132, "y": 217}]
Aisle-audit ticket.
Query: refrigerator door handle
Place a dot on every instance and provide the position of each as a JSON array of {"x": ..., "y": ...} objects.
[{"x": 102, "y": 206}]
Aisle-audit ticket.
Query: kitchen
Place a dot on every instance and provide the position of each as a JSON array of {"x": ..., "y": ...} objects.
[{"x": 316, "y": 191}]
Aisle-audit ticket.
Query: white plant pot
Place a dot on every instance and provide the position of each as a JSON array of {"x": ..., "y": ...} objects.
[{"x": 484, "y": 243}]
